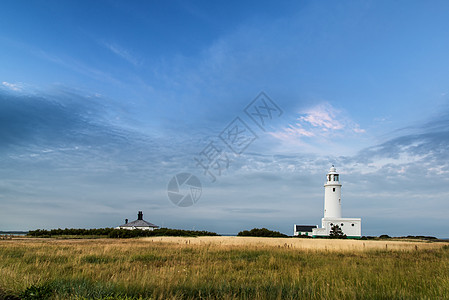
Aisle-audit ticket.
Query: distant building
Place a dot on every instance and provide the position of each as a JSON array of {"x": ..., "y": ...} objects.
[
  {"x": 352, "y": 227},
  {"x": 140, "y": 223},
  {"x": 304, "y": 230}
]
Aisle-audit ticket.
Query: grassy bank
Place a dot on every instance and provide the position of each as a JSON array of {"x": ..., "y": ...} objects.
[{"x": 142, "y": 268}]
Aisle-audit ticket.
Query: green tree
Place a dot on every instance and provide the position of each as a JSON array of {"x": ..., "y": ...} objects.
[{"x": 336, "y": 233}]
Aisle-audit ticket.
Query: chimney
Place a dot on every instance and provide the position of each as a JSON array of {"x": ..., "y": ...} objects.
[
  {"x": 126, "y": 221},
  {"x": 140, "y": 216}
]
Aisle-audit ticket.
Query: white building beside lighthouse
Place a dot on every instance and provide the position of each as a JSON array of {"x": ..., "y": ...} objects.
[{"x": 352, "y": 227}]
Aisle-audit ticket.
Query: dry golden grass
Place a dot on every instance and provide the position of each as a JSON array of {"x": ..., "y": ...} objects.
[
  {"x": 298, "y": 243},
  {"x": 226, "y": 268}
]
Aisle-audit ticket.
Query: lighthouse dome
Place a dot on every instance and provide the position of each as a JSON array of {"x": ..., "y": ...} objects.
[{"x": 332, "y": 170}]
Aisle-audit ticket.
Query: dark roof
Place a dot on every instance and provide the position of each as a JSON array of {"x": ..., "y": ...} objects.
[
  {"x": 305, "y": 228},
  {"x": 139, "y": 223}
]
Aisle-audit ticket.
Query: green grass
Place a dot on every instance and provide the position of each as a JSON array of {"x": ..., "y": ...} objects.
[{"x": 136, "y": 269}]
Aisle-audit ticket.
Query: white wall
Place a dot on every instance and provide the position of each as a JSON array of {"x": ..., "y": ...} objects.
[
  {"x": 332, "y": 200},
  {"x": 349, "y": 226},
  {"x": 132, "y": 228}
]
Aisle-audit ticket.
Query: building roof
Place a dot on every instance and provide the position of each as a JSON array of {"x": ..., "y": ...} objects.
[
  {"x": 332, "y": 170},
  {"x": 139, "y": 223},
  {"x": 305, "y": 228}
]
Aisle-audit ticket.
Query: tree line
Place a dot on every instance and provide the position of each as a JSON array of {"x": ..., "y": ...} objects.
[
  {"x": 118, "y": 233},
  {"x": 261, "y": 232}
]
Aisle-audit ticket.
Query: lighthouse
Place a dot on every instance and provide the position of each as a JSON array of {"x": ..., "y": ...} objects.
[
  {"x": 352, "y": 227},
  {"x": 332, "y": 195}
]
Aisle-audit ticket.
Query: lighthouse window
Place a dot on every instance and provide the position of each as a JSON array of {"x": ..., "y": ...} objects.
[
  {"x": 352, "y": 224},
  {"x": 333, "y": 190},
  {"x": 335, "y": 177},
  {"x": 342, "y": 224}
]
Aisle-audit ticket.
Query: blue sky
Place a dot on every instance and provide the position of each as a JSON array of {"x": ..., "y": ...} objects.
[{"x": 102, "y": 103}]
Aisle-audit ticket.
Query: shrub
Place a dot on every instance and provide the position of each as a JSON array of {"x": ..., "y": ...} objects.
[{"x": 261, "y": 232}]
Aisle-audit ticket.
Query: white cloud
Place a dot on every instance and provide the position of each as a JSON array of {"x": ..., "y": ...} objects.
[
  {"x": 318, "y": 129},
  {"x": 319, "y": 121},
  {"x": 357, "y": 129},
  {"x": 13, "y": 86},
  {"x": 322, "y": 116}
]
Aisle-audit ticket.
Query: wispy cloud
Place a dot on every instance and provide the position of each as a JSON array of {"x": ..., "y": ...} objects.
[
  {"x": 63, "y": 60},
  {"x": 76, "y": 65},
  {"x": 320, "y": 121},
  {"x": 323, "y": 117},
  {"x": 122, "y": 53},
  {"x": 13, "y": 86}
]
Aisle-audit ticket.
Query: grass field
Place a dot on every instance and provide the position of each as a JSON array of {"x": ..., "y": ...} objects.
[{"x": 224, "y": 268}]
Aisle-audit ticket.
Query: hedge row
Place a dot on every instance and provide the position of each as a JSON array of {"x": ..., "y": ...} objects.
[
  {"x": 118, "y": 233},
  {"x": 261, "y": 232}
]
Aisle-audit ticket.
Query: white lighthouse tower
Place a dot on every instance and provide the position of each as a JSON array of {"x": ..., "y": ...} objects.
[
  {"x": 352, "y": 227},
  {"x": 332, "y": 195}
]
